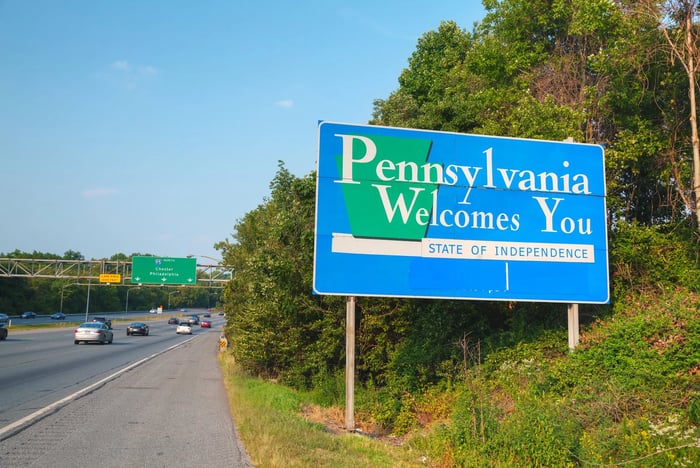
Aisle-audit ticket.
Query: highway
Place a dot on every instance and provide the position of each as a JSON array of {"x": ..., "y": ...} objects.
[{"x": 177, "y": 389}]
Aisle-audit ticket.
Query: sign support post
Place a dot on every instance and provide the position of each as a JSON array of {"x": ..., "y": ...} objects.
[
  {"x": 350, "y": 363},
  {"x": 573, "y": 325}
]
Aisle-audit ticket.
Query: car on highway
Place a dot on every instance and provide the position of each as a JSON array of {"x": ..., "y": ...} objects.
[
  {"x": 58, "y": 316},
  {"x": 137, "y": 328},
  {"x": 28, "y": 315},
  {"x": 104, "y": 320},
  {"x": 184, "y": 328},
  {"x": 193, "y": 320},
  {"x": 97, "y": 332},
  {"x": 173, "y": 321},
  {"x": 4, "y": 322},
  {"x": 205, "y": 324},
  {"x": 206, "y": 315}
]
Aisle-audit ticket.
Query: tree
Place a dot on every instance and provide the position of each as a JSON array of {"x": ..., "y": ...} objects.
[
  {"x": 677, "y": 19},
  {"x": 274, "y": 323},
  {"x": 73, "y": 255}
]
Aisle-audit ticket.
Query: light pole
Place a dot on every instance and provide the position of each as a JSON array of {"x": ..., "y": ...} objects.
[
  {"x": 211, "y": 274},
  {"x": 126, "y": 306},
  {"x": 62, "y": 288},
  {"x": 170, "y": 294},
  {"x": 87, "y": 301}
]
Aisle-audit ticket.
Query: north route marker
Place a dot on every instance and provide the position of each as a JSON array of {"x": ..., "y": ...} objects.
[
  {"x": 425, "y": 214},
  {"x": 163, "y": 270}
]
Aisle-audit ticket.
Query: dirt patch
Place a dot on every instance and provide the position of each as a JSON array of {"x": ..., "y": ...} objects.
[{"x": 333, "y": 420}]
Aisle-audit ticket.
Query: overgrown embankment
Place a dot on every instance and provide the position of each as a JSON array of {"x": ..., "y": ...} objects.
[{"x": 628, "y": 395}]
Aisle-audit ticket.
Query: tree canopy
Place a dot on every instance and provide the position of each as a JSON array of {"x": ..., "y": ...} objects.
[{"x": 598, "y": 71}]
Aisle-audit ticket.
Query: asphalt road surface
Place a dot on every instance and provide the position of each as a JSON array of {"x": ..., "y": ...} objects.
[
  {"x": 40, "y": 367},
  {"x": 167, "y": 409}
]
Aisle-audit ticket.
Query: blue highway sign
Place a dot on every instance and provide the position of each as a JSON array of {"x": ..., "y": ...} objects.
[{"x": 425, "y": 214}]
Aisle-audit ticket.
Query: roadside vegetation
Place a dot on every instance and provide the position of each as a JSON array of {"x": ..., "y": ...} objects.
[
  {"x": 465, "y": 383},
  {"x": 629, "y": 395},
  {"x": 277, "y": 432}
]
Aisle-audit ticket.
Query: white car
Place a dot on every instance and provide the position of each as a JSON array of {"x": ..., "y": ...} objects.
[
  {"x": 184, "y": 328},
  {"x": 93, "y": 331}
]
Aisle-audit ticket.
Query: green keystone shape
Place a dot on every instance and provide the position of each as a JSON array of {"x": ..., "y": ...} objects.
[{"x": 388, "y": 209}]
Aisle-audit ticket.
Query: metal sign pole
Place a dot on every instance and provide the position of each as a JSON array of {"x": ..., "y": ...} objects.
[
  {"x": 350, "y": 363},
  {"x": 573, "y": 325}
]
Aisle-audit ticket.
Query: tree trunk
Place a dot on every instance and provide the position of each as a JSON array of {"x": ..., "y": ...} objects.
[
  {"x": 686, "y": 53},
  {"x": 691, "y": 50}
]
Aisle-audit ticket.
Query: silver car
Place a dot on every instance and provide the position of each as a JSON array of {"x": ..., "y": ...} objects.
[{"x": 93, "y": 331}]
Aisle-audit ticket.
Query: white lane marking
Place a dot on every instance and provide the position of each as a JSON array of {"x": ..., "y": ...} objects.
[{"x": 10, "y": 429}]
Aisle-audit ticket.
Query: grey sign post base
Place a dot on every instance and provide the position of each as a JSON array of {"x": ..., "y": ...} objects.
[
  {"x": 573, "y": 325},
  {"x": 350, "y": 363}
]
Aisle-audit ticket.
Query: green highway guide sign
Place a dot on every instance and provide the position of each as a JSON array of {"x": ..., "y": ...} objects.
[{"x": 163, "y": 270}]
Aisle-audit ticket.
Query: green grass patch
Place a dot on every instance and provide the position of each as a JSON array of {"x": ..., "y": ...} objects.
[{"x": 275, "y": 433}]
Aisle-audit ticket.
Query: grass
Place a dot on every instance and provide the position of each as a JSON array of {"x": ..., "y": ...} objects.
[{"x": 275, "y": 433}]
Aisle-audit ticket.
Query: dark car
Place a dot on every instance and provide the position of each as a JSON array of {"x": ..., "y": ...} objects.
[
  {"x": 193, "y": 320},
  {"x": 137, "y": 328},
  {"x": 58, "y": 316},
  {"x": 104, "y": 320},
  {"x": 3, "y": 331},
  {"x": 206, "y": 324},
  {"x": 28, "y": 315},
  {"x": 173, "y": 321},
  {"x": 206, "y": 315}
]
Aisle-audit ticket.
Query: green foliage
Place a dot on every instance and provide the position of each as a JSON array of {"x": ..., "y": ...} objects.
[
  {"x": 628, "y": 393},
  {"x": 694, "y": 410},
  {"x": 378, "y": 404},
  {"x": 277, "y": 328},
  {"x": 328, "y": 389},
  {"x": 656, "y": 257}
]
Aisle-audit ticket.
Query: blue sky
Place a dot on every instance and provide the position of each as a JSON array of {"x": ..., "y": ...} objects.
[{"x": 153, "y": 126}]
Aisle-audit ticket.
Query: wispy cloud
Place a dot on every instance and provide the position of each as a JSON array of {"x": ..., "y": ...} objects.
[
  {"x": 285, "y": 103},
  {"x": 147, "y": 70},
  {"x": 120, "y": 65},
  {"x": 99, "y": 192},
  {"x": 131, "y": 75}
]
